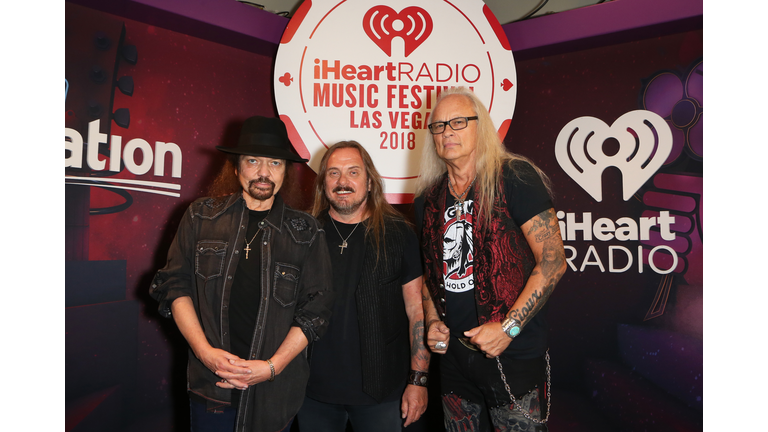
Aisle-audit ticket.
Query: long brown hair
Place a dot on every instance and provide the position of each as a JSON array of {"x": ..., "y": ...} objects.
[{"x": 377, "y": 208}]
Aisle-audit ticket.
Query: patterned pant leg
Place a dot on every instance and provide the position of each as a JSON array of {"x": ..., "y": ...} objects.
[
  {"x": 510, "y": 419},
  {"x": 460, "y": 415}
]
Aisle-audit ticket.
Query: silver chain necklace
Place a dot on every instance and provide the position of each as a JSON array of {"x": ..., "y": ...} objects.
[
  {"x": 459, "y": 205},
  {"x": 248, "y": 243},
  {"x": 512, "y": 397},
  {"x": 343, "y": 244}
]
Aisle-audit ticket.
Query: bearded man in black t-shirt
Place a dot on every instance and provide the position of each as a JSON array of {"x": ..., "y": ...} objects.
[
  {"x": 492, "y": 253},
  {"x": 371, "y": 366}
]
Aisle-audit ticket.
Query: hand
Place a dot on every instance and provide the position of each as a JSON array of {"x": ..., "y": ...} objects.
[
  {"x": 257, "y": 371},
  {"x": 217, "y": 359},
  {"x": 414, "y": 403},
  {"x": 438, "y": 332},
  {"x": 489, "y": 338}
]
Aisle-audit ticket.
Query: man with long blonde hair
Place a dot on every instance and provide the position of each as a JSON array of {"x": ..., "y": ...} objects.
[
  {"x": 492, "y": 256},
  {"x": 371, "y": 366}
]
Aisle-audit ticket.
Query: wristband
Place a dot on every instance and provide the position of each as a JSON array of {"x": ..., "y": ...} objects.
[
  {"x": 418, "y": 378},
  {"x": 511, "y": 327},
  {"x": 271, "y": 370}
]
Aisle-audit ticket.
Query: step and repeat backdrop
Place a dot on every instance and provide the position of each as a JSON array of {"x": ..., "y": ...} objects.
[{"x": 619, "y": 129}]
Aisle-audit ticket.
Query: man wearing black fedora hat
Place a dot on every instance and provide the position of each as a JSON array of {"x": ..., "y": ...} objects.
[{"x": 248, "y": 283}]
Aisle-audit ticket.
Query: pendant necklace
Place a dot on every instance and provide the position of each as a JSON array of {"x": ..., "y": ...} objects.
[
  {"x": 459, "y": 205},
  {"x": 248, "y": 243},
  {"x": 343, "y": 244}
]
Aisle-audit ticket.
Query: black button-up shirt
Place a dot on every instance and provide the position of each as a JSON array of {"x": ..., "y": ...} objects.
[{"x": 295, "y": 291}]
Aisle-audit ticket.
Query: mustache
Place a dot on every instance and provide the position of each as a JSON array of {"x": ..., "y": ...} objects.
[
  {"x": 253, "y": 182},
  {"x": 343, "y": 189}
]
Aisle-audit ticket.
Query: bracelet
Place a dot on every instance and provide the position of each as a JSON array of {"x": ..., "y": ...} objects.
[
  {"x": 271, "y": 370},
  {"x": 511, "y": 327},
  {"x": 418, "y": 378}
]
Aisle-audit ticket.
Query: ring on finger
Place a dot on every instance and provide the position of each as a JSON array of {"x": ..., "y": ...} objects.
[{"x": 441, "y": 345}]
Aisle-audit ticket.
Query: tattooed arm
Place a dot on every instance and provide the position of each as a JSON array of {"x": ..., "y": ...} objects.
[
  {"x": 543, "y": 234},
  {"x": 414, "y": 401},
  {"x": 436, "y": 329}
]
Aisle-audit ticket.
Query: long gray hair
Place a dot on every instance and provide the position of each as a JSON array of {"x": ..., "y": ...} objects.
[{"x": 491, "y": 157}]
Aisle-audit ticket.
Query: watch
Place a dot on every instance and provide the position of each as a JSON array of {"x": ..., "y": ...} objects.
[
  {"x": 418, "y": 378},
  {"x": 511, "y": 327}
]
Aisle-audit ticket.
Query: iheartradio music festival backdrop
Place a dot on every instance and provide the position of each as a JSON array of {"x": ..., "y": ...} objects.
[{"x": 618, "y": 126}]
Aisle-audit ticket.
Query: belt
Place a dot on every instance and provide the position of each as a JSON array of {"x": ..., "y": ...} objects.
[{"x": 465, "y": 341}]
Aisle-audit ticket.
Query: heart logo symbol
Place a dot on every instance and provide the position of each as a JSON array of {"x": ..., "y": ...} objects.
[
  {"x": 286, "y": 79},
  {"x": 382, "y": 24},
  {"x": 645, "y": 141},
  {"x": 506, "y": 84}
]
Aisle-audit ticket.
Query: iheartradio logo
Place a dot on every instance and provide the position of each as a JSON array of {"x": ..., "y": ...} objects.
[
  {"x": 645, "y": 142},
  {"x": 359, "y": 70},
  {"x": 382, "y": 24}
]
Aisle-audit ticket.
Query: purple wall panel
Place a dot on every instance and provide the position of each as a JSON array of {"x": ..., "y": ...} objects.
[{"x": 602, "y": 24}]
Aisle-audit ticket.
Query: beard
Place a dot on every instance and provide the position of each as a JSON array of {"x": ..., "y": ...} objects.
[
  {"x": 259, "y": 193},
  {"x": 346, "y": 208}
]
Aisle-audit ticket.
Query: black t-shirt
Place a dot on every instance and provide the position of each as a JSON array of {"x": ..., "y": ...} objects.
[
  {"x": 336, "y": 374},
  {"x": 526, "y": 197},
  {"x": 245, "y": 295},
  {"x": 458, "y": 260}
]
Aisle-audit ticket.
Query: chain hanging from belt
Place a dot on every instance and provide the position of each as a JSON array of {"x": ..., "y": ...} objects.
[{"x": 512, "y": 397}]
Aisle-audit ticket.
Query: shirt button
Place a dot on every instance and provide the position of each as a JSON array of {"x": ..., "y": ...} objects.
[
  {"x": 237, "y": 251},
  {"x": 442, "y": 300},
  {"x": 229, "y": 277}
]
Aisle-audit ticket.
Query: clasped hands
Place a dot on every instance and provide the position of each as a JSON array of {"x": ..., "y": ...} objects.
[
  {"x": 489, "y": 338},
  {"x": 234, "y": 371}
]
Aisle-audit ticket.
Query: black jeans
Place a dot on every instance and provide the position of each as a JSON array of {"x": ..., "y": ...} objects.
[
  {"x": 317, "y": 416},
  {"x": 475, "y": 398}
]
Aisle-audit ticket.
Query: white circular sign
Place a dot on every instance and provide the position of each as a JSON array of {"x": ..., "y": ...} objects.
[{"x": 363, "y": 71}]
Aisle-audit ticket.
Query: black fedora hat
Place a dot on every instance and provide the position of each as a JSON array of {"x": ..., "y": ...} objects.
[{"x": 266, "y": 137}]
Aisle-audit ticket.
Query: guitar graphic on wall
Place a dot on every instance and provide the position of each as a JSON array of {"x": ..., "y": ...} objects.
[{"x": 101, "y": 324}]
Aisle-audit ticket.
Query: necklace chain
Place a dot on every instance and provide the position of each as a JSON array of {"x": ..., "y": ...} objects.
[
  {"x": 343, "y": 244},
  {"x": 247, "y": 248},
  {"x": 459, "y": 201}
]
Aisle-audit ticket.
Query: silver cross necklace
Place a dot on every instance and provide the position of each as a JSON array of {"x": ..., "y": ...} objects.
[{"x": 343, "y": 244}]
